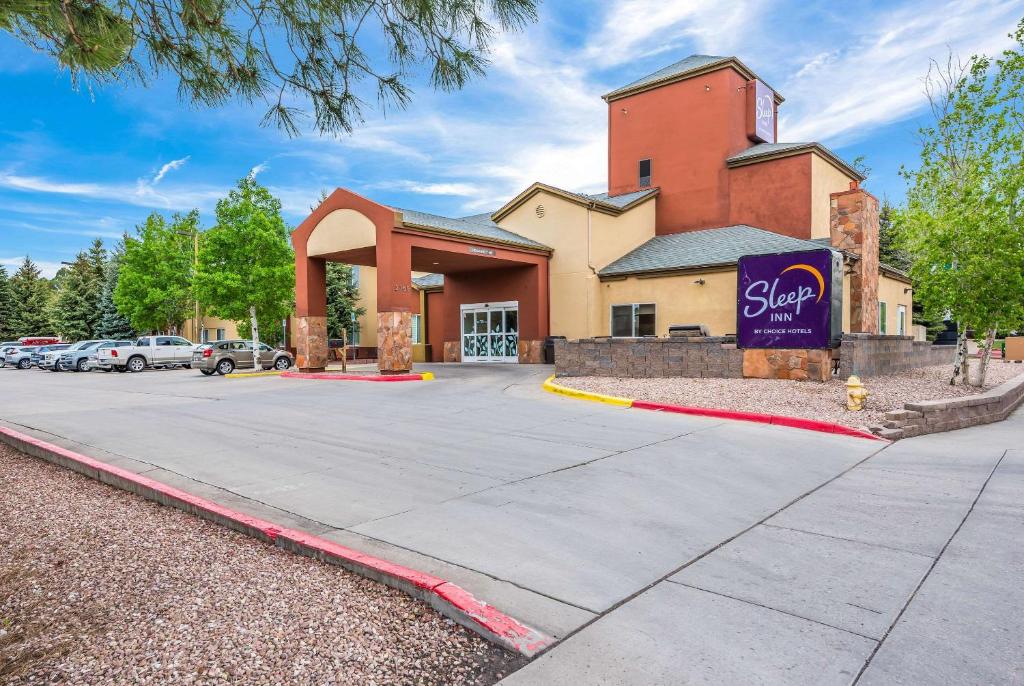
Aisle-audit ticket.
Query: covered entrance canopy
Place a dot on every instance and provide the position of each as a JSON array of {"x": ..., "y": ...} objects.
[{"x": 482, "y": 264}]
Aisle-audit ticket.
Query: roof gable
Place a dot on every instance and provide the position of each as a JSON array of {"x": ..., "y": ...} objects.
[
  {"x": 602, "y": 202},
  {"x": 705, "y": 248},
  {"x": 686, "y": 68}
]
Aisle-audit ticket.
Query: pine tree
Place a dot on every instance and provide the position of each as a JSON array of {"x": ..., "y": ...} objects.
[
  {"x": 6, "y": 307},
  {"x": 32, "y": 295},
  {"x": 889, "y": 252},
  {"x": 75, "y": 311},
  {"x": 342, "y": 296},
  {"x": 330, "y": 54},
  {"x": 112, "y": 323}
]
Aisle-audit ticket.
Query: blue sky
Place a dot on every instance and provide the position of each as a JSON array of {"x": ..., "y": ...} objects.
[{"x": 80, "y": 164}]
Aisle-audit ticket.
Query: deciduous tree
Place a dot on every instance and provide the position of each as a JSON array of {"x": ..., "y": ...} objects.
[
  {"x": 154, "y": 285},
  {"x": 278, "y": 52},
  {"x": 246, "y": 264},
  {"x": 962, "y": 224}
]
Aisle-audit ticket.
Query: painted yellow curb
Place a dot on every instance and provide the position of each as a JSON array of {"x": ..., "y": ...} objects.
[
  {"x": 551, "y": 387},
  {"x": 427, "y": 376},
  {"x": 246, "y": 375}
]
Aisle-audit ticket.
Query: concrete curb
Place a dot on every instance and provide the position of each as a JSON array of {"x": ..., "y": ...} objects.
[
  {"x": 551, "y": 387},
  {"x": 332, "y": 376},
  {"x": 777, "y": 420},
  {"x": 447, "y": 598},
  {"x": 250, "y": 375}
]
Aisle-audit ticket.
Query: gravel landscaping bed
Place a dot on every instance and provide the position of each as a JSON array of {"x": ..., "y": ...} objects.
[
  {"x": 98, "y": 586},
  {"x": 805, "y": 399}
]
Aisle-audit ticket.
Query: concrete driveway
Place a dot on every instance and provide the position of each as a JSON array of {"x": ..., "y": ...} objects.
[{"x": 662, "y": 544}]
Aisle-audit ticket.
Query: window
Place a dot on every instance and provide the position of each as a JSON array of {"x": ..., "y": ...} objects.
[
  {"x": 355, "y": 276},
  {"x": 881, "y": 318},
  {"x": 265, "y": 348},
  {"x": 633, "y": 320},
  {"x": 645, "y": 173},
  {"x": 416, "y": 328},
  {"x": 181, "y": 342},
  {"x": 204, "y": 337},
  {"x": 220, "y": 334},
  {"x": 901, "y": 320},
  {"x": 163, "y": 340}
]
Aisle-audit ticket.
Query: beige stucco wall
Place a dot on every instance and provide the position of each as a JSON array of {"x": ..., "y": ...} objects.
[
  {"x": 677, "y": 299},
  {"x": 344, "y": 229},
  {"x": 890, "y": 291},
  {"x": 575, "y": 292},
  {"x": 192, "y": 333},
  {"x": 368, "y": 300},
  {"x": 826, "y": 179}
]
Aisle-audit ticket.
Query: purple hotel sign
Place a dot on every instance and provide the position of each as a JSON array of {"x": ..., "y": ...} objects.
[
  {"x": 760, "y": 112},
  {"x": 790, "y": 300}
]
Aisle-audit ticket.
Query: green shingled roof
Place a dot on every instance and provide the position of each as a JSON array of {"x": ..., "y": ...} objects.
[
  {"x": 671, "y": 72},
  {"x": 704, "y": 248},
  {"x": 756, "y": 152},
  {"x": 477, "y": 226}
]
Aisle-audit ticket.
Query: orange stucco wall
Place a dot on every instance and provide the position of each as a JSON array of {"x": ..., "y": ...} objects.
[
  {"x": 773, "y": 195},
  {"x": 687, "y": 129}
]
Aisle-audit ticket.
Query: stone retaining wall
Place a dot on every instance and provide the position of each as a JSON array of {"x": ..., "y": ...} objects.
[
  {"x": 707, "y": 357},
  {"x": 934, "y": 416},
  {"x": 869, "y": 355}
]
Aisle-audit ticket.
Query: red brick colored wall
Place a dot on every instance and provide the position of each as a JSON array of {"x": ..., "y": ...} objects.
[
  {"x": 773, "y": 195},
  {"x": 687, "y": 129}
]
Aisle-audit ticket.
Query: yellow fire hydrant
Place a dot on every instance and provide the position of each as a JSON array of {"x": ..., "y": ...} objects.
[{"x": 856, "y": 394}]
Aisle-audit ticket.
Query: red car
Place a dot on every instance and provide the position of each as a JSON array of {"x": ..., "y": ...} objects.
[{"x": 38, "y": 340}]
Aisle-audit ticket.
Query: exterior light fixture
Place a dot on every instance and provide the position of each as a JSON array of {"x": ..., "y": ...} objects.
[
  {"x": 625, "y": 111},
  {"x": 699, "y": 282},
  {"x": 907, "y": 290},
  {"x": 707, "y": 88}
]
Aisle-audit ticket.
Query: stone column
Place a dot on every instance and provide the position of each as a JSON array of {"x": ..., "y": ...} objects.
[
  {"x": 394, "y": 342},
  {"x": 311, "y": 343},
  {"x": 854, "y": 229}
]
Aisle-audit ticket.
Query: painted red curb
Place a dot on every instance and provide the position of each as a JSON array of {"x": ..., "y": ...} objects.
[
  {"x": 330, "y": 376},
  {"x": 778, "y": 420},
  {"x": 447, "y": 598}
]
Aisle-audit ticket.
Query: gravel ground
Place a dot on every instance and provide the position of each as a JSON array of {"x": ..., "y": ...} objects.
[
  {"x": 98, "y": 586},
  {"x": 806, "y": 399}
]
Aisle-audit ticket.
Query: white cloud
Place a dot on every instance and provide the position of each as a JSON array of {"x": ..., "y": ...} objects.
[
  {"x": 170, "y": 166},
  {"x": 141, "y": 194},
  {"x": 90, "y": 233},
  {"x": 439, "y": 188},
  {"x": 48, "y": 269},
  {"x": 842, "y": 95},
  {"x": 259, "y": 169}
]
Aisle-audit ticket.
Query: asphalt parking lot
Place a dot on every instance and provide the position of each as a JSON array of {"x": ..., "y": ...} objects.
[{"x": 617, "y": 527}]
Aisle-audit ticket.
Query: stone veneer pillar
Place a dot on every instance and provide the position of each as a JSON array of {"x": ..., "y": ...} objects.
[
  {"x": 853, "y": 228},
  {"x": 394, "y": 342},
  {"x": 311, "y": 343}
]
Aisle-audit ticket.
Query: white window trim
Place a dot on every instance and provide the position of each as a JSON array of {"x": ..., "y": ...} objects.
[
  {"x": 901, "y": 320},
  {"x": 611, "y": 321}
]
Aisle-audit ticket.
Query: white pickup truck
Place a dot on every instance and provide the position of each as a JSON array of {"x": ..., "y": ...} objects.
[{"x": 148, "y": 351}]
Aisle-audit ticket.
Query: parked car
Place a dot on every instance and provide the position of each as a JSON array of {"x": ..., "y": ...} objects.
[
  {"x": 149, "y": 351},
  {"x": 94, "y": 356},
  {"x": 77, "y": 356},
  {"x": 38, "y": 340},
  {"x": 20, "y": 357},
  {"x": 223, "y": 357},
  {"x": 47, "y": 355},
  {"x": 4, "y": 347}
]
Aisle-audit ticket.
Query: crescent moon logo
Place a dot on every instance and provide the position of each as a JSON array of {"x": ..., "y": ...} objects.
[{"x": 813, "y": 272}]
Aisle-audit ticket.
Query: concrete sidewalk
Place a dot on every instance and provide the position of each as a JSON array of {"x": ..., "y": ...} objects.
[
  {"x": 905, "y": 570},
  {"x": 551, "y": 509}
]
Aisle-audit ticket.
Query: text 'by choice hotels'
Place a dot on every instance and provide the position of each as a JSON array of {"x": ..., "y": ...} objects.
[{"x": 786, "y": 300}]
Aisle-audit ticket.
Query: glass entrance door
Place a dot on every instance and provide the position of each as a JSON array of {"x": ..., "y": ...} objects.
[{"x": 490, "y": 332}]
